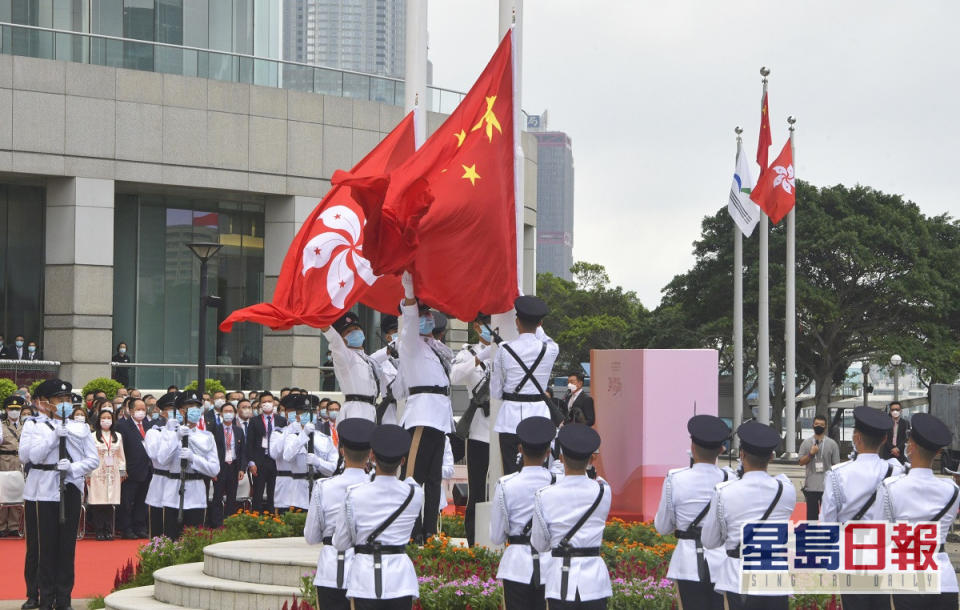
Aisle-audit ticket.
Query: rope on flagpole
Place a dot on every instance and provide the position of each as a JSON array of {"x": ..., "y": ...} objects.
[
  {"x": 790, "y": 317},
  {"x": 737, "y": 316},
  {"x": 763, "y": 351}
]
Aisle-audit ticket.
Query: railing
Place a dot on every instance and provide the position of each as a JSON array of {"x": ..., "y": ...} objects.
[
  {"x": 233, "y": 376},
  {"x": 103, "y": 50},
  {"x": 25, "y": 372}
]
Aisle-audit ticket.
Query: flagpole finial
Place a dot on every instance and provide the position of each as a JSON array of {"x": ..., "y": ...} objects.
[
  {"x": 791, "y": 120},
  {"x": 764, "y": 72},
  {"x": 738, "y": 130}
]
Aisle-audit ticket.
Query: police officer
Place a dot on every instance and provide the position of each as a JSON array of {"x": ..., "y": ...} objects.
[
  {"x": 756, "y": 496},
  {"x": 388, "y": 359},
  {"x": 323, "y": 460},
  {"x": 376, "y": 523},
  {"x": 920, "y": 496},
  {"x": 569, "y": 518},
  {"x": 850, "y": 489},
  {"x": 52, "y": 448},
  {"x": 521, "y": 371},
  {"x": 326, "y": 504},
  {"x": 522, "y": 570},
  {"x": 9, "y": 461},
  {"x": 156, "y": 438},
  {"x": 684, "y": 503},
  {"x": 282, "y": 495},
  {"x": 199, "y": 453},
  {"x": 359, "y": 376}
]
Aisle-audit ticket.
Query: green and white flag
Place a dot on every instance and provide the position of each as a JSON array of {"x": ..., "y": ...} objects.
[{"x": 742, "y": 209}]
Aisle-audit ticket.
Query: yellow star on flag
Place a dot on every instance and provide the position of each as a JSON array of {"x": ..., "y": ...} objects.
[
  {"x": 460, "y": 137},
  {"x": 470, "y": 173},
  {"x": 490, "y": 118}
]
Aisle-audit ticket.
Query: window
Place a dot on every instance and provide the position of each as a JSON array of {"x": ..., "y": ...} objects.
[{"x": 21, "y": 249}]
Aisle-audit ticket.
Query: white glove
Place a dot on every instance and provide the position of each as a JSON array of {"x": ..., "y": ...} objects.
[
  {"x": 63, "y": 465},
  {"x": 313, "y": 460},
  {"x": 62, "y": 430},
  {"x": 308, "y": 429},
  {"x": 407, "y": 280},
  {"x": 183, "y": 431},
  {"x": 172, "y": 424},
  {"x": 294, "y": 427},
  {"x": 186, "y": 454}
]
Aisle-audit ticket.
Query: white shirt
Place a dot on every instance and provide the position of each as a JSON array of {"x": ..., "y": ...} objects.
[
  {"x": 326, "y": 506},
  {"x": 446, "y": 471},
  {"x": 919, "y": 496},
  {"x": 365, "y": 508},
  {"x": 686, "y": 492},
  {"x": 205, "y": 462},
  {"x": 357, "y": 374},
  {"x": 466, "y": 372},
  {"x": 849, "y": 485},
  {"x": 393, "y": 380},
  {"x": 295, "y": 455},
  {"x": 420, "y": 366},
  {"x": 282, "y": 487},
  {"x": 512, "y": 510},
  {"x": 152, "y": 444},
  {"x": 556, "y": 509},
  {"x": 506, "y": 374},
  {"x": 40, "y": 444},
  {"x": 737, "y": 502}
]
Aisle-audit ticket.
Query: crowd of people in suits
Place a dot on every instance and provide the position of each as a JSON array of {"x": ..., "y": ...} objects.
[{"x": 20, "y": 349}]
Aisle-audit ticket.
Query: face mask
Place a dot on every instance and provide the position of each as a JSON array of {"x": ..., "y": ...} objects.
[
  {"x": 323, "y": 413},
  {"x": 207, "y": 405},
  {"x": 64, "y": 409},
  {"x": 895, "y": 414},
  {"x": 31, "y": 348},
  {"x": 355, "y": 338},
  {"x": 426, "y": 325},
  {"x": 305, "y": 418},
  {"x": 139, "y": 414},
  {"x": 13, "y": 414},
  {"x": 245, "y": 414},
  {"x": 19, "y": 343},
  {"x": 79, "y": 418},
  {"x": 333, "y": 414},
  {"x": 219, "y": 402},
  {"x": 228, "y": 417},
  {"x": 818, "y": 429},
  {"x": 179, "y": 417},
  {"x": 267, "y": 407},
  {"x": 123, "y": 350},
  {"x": 105, "y": 424},
  {"x": 572, "y": 387},
  {"x": 485, "y": 334},
  {"x": 194, "y": 414},
  {"x": 234, "y": 402},
  {"x": 154, "y": 415},
  {"x": 256, "y": 411},
  {"x": 89, "y": 403}
]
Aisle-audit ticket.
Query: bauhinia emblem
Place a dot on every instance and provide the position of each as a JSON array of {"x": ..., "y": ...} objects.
[
  {"x": 340, "y": 244},
  {"x": 784, "y": 178}
]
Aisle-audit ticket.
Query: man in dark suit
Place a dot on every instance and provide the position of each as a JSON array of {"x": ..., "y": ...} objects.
[
  {"x": 228, "y": 435},
  {"x": 259, "y": 463},
  {"x": 132, "y": 516},
  {"x": 32, "y": 352},
  {"x": 579, "y": 404},
  {"x": 17, "y": 351},
  {"x": 896, "y": 443}
]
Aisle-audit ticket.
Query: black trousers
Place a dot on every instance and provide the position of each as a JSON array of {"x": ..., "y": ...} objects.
[
  {"x": 57, "y": 546},
  {"x": 31, "y": 561},
  {"x": 943, "y": 601},
  {"x": 329, "y": 598},
  {"x": 425, "y": 465},
  {"x": 814, "y": 498},
  {"x": 397, "y": 603},
  {"x": 478, "y": 460},
  {"x": 266, "y": 480},
  {"x": 871, "y": 602},
  {"x": 518, "y": 596},
  {"x": 101, "y": 517},
  {"x": 192, "y": 517},
  {"x": 735, "y": 601},
  {"x": 593, "y": 604},
  {"x": 132, "y": 514},
  {"x": 224, "y": 500},
  {"x": 696, "y": 594},
  {"x": 508, "y": 452},
  {"x": 155, "y": 521}
]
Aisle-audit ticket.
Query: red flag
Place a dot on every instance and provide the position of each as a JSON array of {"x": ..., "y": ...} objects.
[
  {"x": 325, "y": 271},
  {"x": 763, "y": 146},
  {"x": 448, "y": 213},
  {"x": 775, "y": 192}
]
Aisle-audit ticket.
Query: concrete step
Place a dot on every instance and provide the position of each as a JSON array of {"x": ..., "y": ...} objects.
[
  {"x": 139, "y": 598},
  {"x": 271, "y": 561},
  {"x": 186, "y": 585}
]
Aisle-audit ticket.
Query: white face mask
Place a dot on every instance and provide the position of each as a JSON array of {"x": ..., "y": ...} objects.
[
  {"x": 895, "y": 414},
  {"x": 572, "y": 387},
  {"x": 105, "y": 424},
  {"x": 14, "y": 414},
  {"x": 79, "y": 418},
  {"x": 139, "y": 414},
  {"x": 267, "y": 407},
  {"x": 219, "y": 402}
]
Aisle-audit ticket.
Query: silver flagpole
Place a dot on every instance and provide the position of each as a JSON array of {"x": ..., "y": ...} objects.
[
  {"x": 763, "y": 349},
  {"x": 737, "y": 317},
  {"x": 790, "y": 317}
]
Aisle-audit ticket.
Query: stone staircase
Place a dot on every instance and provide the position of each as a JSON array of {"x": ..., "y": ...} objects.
[{"x": 244, "y": 575}]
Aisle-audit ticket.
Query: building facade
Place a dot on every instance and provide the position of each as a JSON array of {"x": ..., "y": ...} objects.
[{"x": 554, "y": 203}]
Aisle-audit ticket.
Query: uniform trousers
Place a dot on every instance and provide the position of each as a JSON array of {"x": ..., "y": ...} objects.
[
  {"x": 518, "y": 596},
  {"x": 814, "y": 498},
  {"x": 224, "y": 502},
  {"x": 50, "y": 576},
  {"x": 266, "y": 480},
  {"x": 101, "y": 517},
  {"x": 695, "y": 594},
  {"x": 132, "y": 515},
  {"x": 735, "y": 601},
  {"x": 329, "y": 598},
  {"x": 397, "y": 603},
  {"x": 593, "y": 604},
  {"x": 509, "y": 444},
  {"x": 192, "y": 517},
  {"x": 943, "y": 601},
  {"x": 478, "y": 460},
  {"x": 867, "y": 602},
  {"x": 10, "y": 519},
  {"x": 155, "y": 521},
  {"x": 425, "y": 464}
]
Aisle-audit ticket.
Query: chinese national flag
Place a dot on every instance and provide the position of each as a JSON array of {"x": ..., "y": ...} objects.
[
  {"x": 448, "y": 213},
  {"x": 775, "y": 192},
  {"x": 326, "y": 271},
  {"x": 763, "y": 146}
]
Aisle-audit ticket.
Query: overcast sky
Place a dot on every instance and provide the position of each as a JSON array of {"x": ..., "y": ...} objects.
[{"x": 650, "y": 91}]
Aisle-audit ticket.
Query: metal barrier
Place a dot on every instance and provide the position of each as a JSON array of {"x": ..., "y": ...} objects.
[
  {"x": 233, "y": 376},
  {"x": 25, "y": 372}
]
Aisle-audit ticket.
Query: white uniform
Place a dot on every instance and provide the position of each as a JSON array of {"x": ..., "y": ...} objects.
[
  {"x": 295, "y": 456},
  {"x": 152, "y": 443},
  {"x": 282, "y": 490},
  {"x": 357, "y": 375},
  {"x": 465, "y": 372},
  {"x": 556, "y": 509},
  {"x": 850, "y": 485},
  {"x": 920, "y": 496},
  {"x": 392, "y": 382},
  {"x": 686, "y": 492},
  {"x": 40, "y": 445},
  {"x": 506, "y": 374},
  {"x": 446, "y": 471},
  {"x": 365, "y": 508},
  {"x": 205, "y": 462},
  {"x": 737, "y": 502},
  {"x": 326, "y": 506},
  {"x": 512, "y": 510},
  {"x": 423, "y": 362}
]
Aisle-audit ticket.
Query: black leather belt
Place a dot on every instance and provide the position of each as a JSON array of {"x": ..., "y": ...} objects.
[
  {"x": 43, "y": 466},
  {"x": 162, "y": 473},
  {"x": 341, "y": 560},
  {"x": 190, "y": 476},
  {"x": 522, "y": 397},
  {"x": 534, "y": 554},
  {"x": 370, "y": 400},
  {"x": 383, "y": 549},
  {"x": 518, "y": 539},
  {"x": 591, "y": 551},
  {"x": 687, "y": 534},
  {"x": 429, "y": 389},
  {"x": 10, "y": 452},
  {"x": 292, "y": 475},
  {"x": 733, "y": 553}
]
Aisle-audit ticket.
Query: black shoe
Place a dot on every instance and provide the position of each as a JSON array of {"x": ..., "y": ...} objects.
[
  {"x": 128, "y": 536},
  {"x": 100, "y": 536},
  {"x": 108, "y": 536},
  {"x": 30, "y": 604},
  {"x": 140, "y": 534}
]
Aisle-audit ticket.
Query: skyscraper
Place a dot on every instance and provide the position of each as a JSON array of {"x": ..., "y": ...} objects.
[{"x": 554, "y": 200}]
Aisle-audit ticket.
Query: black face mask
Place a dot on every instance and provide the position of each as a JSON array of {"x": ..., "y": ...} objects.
[{"x": 818, "y": 429}]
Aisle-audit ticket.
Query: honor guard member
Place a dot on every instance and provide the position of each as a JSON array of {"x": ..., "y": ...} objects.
[
  {"x": 57, "y": 454},
  {"x": 155, "y": 439},
  {"x": 756, "y": 496},
  {"x": 357, "y": 374},
  {"x": 428, "y": 415},
  {"x": 323, "y": 460},
  {"x": 9, "y": 461},
  {"x": 568, "y": 523},
  {"x": 376, "y": 522},
  {"x": 193, "y": 451},
  {"x": 684, "y": 503},
  {"x": 471, "y": 368},
  {"x": 523, "y": 570},
  {"x": 388, "y": 359},
  {"x": 919, "y": 496},
  {"x": 326, "y": 506},
  {"x": 850, "y": 488},
  {"x": 521, "y": 370},
  {"x": 283, "y": 493}
]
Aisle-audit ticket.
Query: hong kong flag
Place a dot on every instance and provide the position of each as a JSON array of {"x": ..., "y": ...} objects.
[
  {"x": 325, "y": 272},
  {"x": 775, "y": 192}
]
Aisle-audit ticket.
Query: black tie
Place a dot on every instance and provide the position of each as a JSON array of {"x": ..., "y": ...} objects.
[{"x": 269, "y": 430}]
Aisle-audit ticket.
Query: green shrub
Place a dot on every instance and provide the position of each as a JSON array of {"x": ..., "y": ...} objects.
[
  {"x": 452, "y": 525},
  {"x": 210, "y": 386},
  {"x": 34, "y": 386},
  {"x": 7, "y": 388},
  {"x": 102, "y": 384}
]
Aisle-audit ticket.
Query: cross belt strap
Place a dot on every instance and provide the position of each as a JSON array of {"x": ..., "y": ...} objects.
[
  {"x": 564, "y": 549},
  {"x": 735, "y": 553},
  {"x": 693, "y": 532},
  {"x": 372, "y": 547},
  {"x": 943, "y": 511},
  {"x": 527, "y": 371},
  {"x": 429, "y": 389},
  {"x": 370, "y": 400},
  {"x": 341, "y": 560},
  {"x": 873, "y": 497}
]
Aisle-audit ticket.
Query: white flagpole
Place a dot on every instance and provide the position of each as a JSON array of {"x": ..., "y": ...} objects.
[
  {"x": 763, "y": 349},
  {"x": 415, "y": 68},
  {"x": 737, "y": 317},
  {"x": 790, "y": 317}
]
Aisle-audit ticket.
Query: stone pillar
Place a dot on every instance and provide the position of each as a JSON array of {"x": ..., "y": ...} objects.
[
  {"x": 292, "y": 355},
  {"x": 78, "y": 277}
]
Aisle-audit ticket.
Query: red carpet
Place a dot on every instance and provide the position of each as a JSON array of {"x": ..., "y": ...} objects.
[{"x": 97, "y": 564}]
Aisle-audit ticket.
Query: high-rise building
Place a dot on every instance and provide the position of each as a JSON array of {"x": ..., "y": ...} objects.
[
  {"x": 554, "y": 199},
  {"x": 358, "y": 35}
]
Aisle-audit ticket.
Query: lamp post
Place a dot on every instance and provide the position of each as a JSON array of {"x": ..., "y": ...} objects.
[
  {"x": 204, "y": 251},
  {"x": 895, "y": 361},
  {"x": 866, "y": 380}
]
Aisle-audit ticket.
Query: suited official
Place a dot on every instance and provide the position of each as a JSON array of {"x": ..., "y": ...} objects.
[
  {"x": 578, "y": 404},
  {"x": 10, "y": 430},
  {"x": 228, "y": 436},
  {"x": 260, "y": 465},
  {"x": 132, "y": 516},
  {"x": 895, "y": 444}
]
